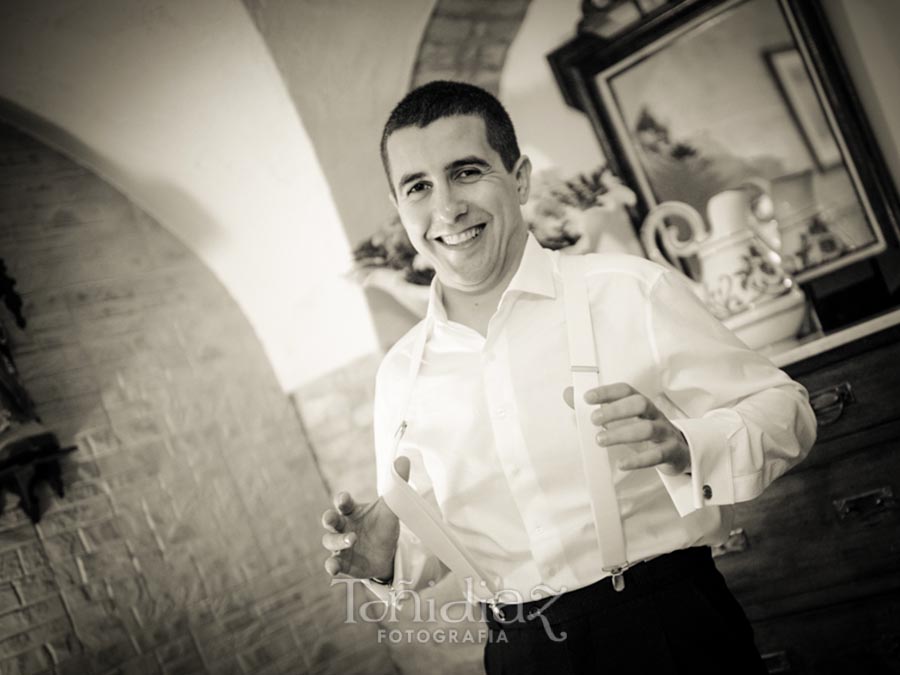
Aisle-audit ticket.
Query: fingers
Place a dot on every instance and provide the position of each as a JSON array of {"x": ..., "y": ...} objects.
[
  {"x": 627, "y": 417},
  {"x": 643, "y": 460},
  {"x": 336, "y": 542},
  {"x": 569, "y": 397},
  {"x": 634, "y": 405},
  {"x": 333, "y": 566},
  {"x": 343, "y": 502},
  {"x": 637, "y": 432},
  {"x": 669, "y": 457},
  {"x": 609, "y": 393},
  {"x": 401, "y": 465},
  {"x": 332, "y": 521}
]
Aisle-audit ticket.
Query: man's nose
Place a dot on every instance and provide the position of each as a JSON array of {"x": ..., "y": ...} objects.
[{"x": 448, "y": 205}]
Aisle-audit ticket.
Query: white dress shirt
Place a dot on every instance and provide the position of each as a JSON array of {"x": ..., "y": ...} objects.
[{"x": 494, "y": 445}]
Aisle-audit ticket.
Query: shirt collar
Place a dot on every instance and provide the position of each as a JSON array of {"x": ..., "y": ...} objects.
[{"x": 535, "y": 275}]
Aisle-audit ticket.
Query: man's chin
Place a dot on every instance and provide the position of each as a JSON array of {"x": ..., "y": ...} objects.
[{"x": 468, "y": 286}]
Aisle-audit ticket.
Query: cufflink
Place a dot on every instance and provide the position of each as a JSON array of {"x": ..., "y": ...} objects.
[{"x": 707, "y": 492}]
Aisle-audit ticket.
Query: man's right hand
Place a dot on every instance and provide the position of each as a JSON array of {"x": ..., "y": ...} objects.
[{"x": 362, "y": 538}]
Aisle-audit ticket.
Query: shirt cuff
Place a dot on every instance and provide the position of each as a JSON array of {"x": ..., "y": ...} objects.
[{"x": 710, "y": 481}]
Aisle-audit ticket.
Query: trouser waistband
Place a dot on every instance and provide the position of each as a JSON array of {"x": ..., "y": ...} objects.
[{"x": 641, "y": 579}]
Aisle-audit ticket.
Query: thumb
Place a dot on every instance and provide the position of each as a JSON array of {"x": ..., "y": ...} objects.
[
  {"x": 569, "y": 397},
  {"x": 401, "y": 465}
]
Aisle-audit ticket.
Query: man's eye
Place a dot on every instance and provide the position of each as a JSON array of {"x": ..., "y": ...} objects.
[
  {"x": 416, "y": 187},
  {"x": 469, "y": 173}
]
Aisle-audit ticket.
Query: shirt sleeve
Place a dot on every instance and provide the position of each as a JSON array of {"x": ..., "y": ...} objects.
[
  {"x": 746, "y": 422},
  {"x": 414, "y": 565}
]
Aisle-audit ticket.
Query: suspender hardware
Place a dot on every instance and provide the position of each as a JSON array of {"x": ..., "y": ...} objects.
[
  {"x": 496, "y": 609},
  {"x": 400, "y": 430},
  {"x": 617, "y": 575}
]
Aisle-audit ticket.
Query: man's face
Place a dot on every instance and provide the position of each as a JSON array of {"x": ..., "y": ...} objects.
[{"x": 458, "y": 203}]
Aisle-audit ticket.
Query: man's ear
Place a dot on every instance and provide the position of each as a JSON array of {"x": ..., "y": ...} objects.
[{"x": 522, "y": 172}]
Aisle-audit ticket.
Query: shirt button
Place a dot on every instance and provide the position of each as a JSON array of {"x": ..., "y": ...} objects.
[
  {"x": 707, "y": 492},
  {"x": 500, "y": 412}
]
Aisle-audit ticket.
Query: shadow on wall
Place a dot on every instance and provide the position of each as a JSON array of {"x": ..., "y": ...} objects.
[
  {"x": 202, "y": 227},
  {"x": 188, "y": 540}
]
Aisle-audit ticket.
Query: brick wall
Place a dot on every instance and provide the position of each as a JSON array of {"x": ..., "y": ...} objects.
[{"x": 188, "y": 540}]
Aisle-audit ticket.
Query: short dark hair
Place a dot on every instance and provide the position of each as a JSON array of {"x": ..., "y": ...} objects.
[{"x": 442, "y": 98}]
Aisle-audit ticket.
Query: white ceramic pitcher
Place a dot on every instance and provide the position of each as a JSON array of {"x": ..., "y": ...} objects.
[{"x": 739, "y": 255}]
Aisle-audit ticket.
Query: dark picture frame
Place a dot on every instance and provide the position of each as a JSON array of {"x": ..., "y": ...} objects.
[{"x": 593, "y": 71}]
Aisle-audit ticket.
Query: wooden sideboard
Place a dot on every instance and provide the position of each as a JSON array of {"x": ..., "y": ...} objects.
[{"x": 815, "y": 560}]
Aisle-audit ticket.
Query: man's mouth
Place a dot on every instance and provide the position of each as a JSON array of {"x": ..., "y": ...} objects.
[{"x": 463, "y": 237}]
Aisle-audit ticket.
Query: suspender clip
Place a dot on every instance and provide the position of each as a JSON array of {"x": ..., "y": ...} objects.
[
  {"x": 617, "y": 575},
  {"x": 496, "y": 610}
]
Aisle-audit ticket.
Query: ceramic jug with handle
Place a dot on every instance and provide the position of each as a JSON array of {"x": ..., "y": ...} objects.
[{"x": 739, "y": 253}]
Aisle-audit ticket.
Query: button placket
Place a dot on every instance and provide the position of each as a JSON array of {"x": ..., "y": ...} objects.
[{"x": 513, "y": 456}]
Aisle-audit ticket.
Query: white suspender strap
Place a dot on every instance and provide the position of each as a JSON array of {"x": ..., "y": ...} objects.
[
  {"x": 428, "y": 524},
  {"x": 420, "y": 516},
  {"x": 585, "y": 376}
]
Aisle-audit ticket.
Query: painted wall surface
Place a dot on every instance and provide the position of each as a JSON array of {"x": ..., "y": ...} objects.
[
  {"x": 182, "y": 107},
  {"x": 345, "y": 64},
  {"x": 549, "y": 132},
  {"x": 865, "y": 32}
]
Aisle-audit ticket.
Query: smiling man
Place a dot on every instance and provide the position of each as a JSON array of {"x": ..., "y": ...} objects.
[
  {"x": 478, "y": 397},
  {"x": 460, "y": 205}
]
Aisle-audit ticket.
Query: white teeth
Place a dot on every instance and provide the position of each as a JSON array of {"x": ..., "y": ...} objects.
[{"x": 457, "y": 239}]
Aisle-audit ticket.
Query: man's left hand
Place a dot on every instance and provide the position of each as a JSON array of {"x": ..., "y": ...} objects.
[{"x": 626, "y": 416}]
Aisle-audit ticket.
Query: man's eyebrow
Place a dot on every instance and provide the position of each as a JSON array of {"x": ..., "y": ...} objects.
[
  {"x": 410, "y": 177},
  {"x": 471, "y": 160},
  {"x": 467, "y": 161}
]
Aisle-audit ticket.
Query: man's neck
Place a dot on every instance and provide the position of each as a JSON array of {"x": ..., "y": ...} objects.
[
  {"x": 472, "y": 310},
  {"x": 476, "y": 309}
]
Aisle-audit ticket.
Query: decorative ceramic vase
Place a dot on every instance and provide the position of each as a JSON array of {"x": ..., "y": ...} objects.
[{"x": 739, "y": 258}]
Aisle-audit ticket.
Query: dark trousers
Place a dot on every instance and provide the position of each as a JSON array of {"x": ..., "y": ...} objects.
[{"x": 675, "y": 615}]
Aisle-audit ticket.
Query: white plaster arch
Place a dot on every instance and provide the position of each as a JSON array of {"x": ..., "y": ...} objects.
[{"x": 180, "y": 105}]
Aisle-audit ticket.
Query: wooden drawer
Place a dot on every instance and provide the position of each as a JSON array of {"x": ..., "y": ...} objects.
[
  {"x": 861, "y": 636},
  {"x": 853, "y": 395},
  {"x": 807, "y": 547}
]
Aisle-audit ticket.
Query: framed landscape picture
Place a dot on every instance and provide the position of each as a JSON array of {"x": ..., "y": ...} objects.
[{"x": 699, "y": 96}]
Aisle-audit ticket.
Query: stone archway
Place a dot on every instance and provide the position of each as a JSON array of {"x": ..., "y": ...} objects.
[{"x": 467, "y": 40}]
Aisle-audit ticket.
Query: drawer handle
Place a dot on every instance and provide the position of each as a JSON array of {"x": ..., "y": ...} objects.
[
  {"x": 866, "y": 504},
  {"x": 828, "y": 404},
  {"x": 777, "y": 662},
  {"x": 737, "y": 542}
]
